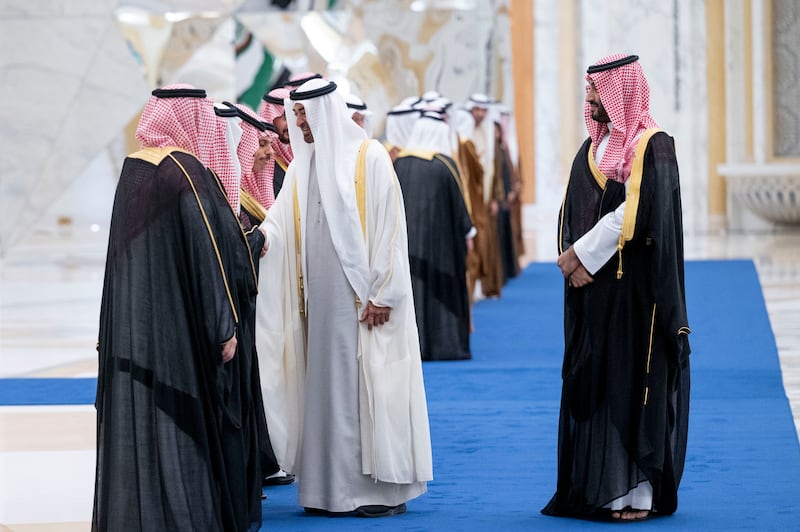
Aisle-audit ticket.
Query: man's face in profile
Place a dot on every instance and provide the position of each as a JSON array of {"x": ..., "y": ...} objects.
[
  {"x": 300, "y": 115},
  {"x": 478, "y": 114},
  {"x": 282, "y": 126},
  {"x": 358, "y": 118},
  {"x": 599, "y": 113}
]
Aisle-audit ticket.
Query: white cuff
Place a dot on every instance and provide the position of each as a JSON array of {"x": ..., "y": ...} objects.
[{"x": 598, "y": 245}]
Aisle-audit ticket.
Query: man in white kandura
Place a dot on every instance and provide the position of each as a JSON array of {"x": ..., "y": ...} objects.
[{"x": 338, "y": 341}]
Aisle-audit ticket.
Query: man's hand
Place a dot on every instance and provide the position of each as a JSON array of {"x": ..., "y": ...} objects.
[
  {"x": 265, "y": 247},
  {"x": 375, "y": 315},
  {"x": 229, "y": 349},
  {"x": 568, "y": 262},
  {"x": 580, "y": 277}
]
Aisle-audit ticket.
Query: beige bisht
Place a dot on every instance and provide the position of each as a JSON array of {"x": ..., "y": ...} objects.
[{"x": 364, "y": 205}]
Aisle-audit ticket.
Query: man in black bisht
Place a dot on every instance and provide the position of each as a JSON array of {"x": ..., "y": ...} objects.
[
  {"x": 171, "y": 453},
  {"x": 625, "y": 396},
  {"x": 439, "y": 231}
]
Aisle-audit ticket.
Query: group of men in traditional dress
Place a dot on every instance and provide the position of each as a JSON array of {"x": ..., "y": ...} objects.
[
  {"x": 202, "y": 398},
  {"x": 462, "y": 190},
  {"x": 274, "y": 280}
]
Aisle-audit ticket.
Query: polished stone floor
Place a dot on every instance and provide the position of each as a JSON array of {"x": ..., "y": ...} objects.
[{"x": 50, "y": 288}]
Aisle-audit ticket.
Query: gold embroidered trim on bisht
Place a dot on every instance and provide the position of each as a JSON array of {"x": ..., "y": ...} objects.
[
  {"x": 649, "y": 353},
  {"x": 210, "y": 234},
  {"x": 252, "y": 206},
  {"x": 420, "y": 154},
  {"x": 156, "y": 155},
  {"x": 632, "y": 197}
]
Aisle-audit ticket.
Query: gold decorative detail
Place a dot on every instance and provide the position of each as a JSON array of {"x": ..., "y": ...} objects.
[
  {"x": 252, "y": 206},
  {"x": 154, "y": 156},
  {"x": 298, "y": 248},
  {"x": 361, "y": 186},
  {"x": 420, "y": 154},
  {"x": 599, "y": 176},
  {"x": 649, "y": 353},
  {"x": 634, "y": 190},
  {"x": 210, "y": 234}
]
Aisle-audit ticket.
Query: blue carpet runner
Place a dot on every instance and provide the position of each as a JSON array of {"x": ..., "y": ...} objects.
[{"x": 494, "y": 418}]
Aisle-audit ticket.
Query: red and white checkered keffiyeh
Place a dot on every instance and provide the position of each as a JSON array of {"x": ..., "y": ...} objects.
[
  {"x": 268, "y": 112},
  {"x": 258, "y": 184},
  {"x": 625, "y": 94},
  {"x": 187, "y": 123},
  {"x": 223, "y": 163}
]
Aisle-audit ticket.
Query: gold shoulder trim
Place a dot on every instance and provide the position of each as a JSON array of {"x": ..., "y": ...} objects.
[
  {"x": 599, "y": 176},
  {"x": 648, "y": 365},
  {"x": 156, "y": 155},
  {"x": 635, "y": 186},
  {"x": 462, "y": 176},
  {"x": 281, "y": 162},
  {"x": 239, "y": 224},
  {"x": 252, "y": 206},
  {"x": 453, "y": 171},
  {"x": 421, "y": 154},
  {"x": 211, "y": 235},
  {"x": 361, "y": 186},
  {"x": 634, "y": 191}
]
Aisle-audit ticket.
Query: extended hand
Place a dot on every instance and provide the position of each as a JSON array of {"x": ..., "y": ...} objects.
[
  {"x": 375, "y": 315},
  {"x": 229, "y": 349}
]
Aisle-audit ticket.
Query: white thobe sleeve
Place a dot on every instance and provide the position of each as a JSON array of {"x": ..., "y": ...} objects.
[
  {"x": 600, "y": 242},
  {"x": 387, "y": 232},
  {"x": 283, "y": 209}
]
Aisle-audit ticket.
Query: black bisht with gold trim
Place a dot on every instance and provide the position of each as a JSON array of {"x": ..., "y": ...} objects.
[
  {"x": 176, "y": 428},
  {"x": 625, "y": 395}
]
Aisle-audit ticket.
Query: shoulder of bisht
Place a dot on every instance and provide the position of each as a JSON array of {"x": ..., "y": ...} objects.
[
  {"x": 633, "y": 195},
  {"x": 155, "y": 156},
  {"x": 428, "y": 155},
  {"x": 252, "y": 206}
]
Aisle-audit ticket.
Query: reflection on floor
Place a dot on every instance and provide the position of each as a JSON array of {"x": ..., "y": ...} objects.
[{"x": 51, "y": 284}]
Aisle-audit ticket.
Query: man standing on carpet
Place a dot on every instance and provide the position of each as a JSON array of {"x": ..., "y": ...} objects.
[
  {"x": 179, "y": 282},
  {"x": 439, "y": 232},
  {"x": 481, "y": 131},
  {"x": 625, "y": 395},
  {"x": 340, "y": 338},
  {"x": 254, "y": 153}
]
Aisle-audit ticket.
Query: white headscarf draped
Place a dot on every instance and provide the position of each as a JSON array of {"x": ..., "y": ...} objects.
[
  {"x": 462, "y": 121},
  {"x": 399, "y": 123},
  {"x": 483, "y": 137},
  {"x": 335, "y": 149},
  {"x": 357, "y": 105},
  {"x": 510, "y": 133},
  {"x": 431, "y": 133}
]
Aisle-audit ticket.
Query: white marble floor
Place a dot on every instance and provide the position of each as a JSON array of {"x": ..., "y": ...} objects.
[{"x": 50, "y": 287}]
